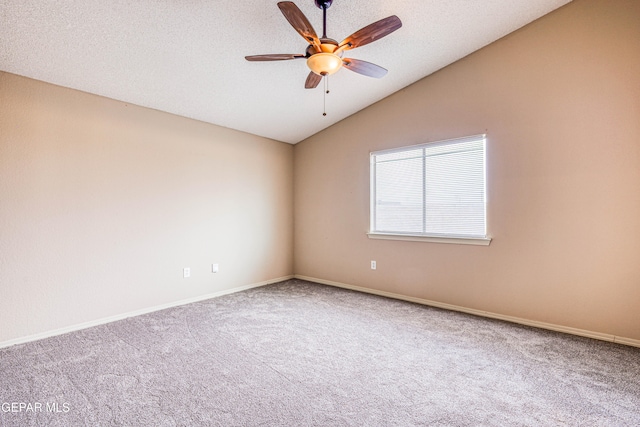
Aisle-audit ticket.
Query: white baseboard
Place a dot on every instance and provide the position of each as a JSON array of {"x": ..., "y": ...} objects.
[
  {"x": 110, "y": 319},
  {"x": 543, "y": 325}
]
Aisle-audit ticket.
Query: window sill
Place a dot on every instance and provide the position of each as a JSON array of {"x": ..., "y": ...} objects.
[{"x": 479, "y": 241}]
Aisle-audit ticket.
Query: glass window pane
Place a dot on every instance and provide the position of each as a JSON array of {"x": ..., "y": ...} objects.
[{"x": 399, "y": 196}]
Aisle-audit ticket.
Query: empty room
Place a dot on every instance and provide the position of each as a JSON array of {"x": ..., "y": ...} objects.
[{"x": 320, "y": 213}]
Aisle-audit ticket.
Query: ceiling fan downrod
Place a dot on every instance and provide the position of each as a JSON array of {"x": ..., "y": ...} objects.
[{"x": 324, "y": 5}]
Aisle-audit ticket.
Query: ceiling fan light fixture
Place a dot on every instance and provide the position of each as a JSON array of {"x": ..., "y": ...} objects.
[{"x": 324, "y": 63}]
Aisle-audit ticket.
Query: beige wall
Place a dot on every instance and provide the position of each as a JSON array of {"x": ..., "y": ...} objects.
[
  {"x": 102, "y": 204},
  {"x": 560, "y": 102}
]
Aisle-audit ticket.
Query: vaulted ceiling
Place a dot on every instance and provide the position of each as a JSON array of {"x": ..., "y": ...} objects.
[{"x": 187, "y": 57}]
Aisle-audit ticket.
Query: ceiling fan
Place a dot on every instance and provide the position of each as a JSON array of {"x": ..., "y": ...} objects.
[{"x": 324, "y": 55}]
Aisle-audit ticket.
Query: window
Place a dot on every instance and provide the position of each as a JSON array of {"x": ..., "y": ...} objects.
[{"x": 433, "y": 192}]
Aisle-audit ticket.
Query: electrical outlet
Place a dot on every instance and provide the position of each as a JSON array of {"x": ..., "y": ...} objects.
[
  {"x": 186, "y": 272},
  {"x": 214, "y": 268},
  {"x": 373, "y": 265}
]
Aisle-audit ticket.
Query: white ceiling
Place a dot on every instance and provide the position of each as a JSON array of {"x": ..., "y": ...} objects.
[{"x": 187, "y": 56}]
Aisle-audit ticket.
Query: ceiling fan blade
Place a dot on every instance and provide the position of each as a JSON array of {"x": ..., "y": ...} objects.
[
  {"x": 372, "y": 32},
  {"x": 363, "y": 67},
  {"x": 312, "y": 80},
  {"x": 273, "y": 57},
  {"x": 299, "y": 22}
]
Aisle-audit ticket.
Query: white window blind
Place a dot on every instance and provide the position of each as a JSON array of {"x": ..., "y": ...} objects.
[{"x": 435, "y": 189}]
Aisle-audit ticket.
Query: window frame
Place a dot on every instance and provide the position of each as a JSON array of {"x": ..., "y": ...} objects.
[{"x": 426, "y": 237}]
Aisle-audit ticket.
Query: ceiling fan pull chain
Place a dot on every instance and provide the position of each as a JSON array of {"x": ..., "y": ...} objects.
[{"x": 324, "y": 95}]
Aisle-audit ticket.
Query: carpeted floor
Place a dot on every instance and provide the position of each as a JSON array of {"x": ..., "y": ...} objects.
[{"x": 302, "y": 354}]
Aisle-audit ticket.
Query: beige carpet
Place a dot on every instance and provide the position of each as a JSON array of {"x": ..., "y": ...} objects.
[{"x": 302, "y": 354}]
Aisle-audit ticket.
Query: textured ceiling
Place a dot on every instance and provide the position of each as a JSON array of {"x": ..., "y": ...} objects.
[{"x": 187, "y": 56}]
